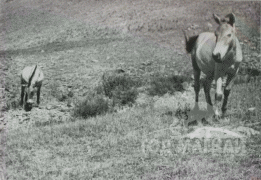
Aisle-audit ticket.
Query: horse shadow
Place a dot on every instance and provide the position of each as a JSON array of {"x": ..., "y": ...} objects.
[{"x": 200, "y": 116}]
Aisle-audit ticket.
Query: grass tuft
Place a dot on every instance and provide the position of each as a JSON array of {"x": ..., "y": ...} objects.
[
  {"x": 161, "y": 85},
  {"x": 91, "y": 106},
  {"x": 120, "y": 87}
]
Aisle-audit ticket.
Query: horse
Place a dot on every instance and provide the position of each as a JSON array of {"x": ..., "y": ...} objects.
[{"x": 218, "y": 55}]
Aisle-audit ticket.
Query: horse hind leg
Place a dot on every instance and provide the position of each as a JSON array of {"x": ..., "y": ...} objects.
[
  {"x": 195, "y": 112},
  {"x": 207, "y": 87},
  {"x": 22, "y": 95},
  {"x": 196, "y": 73}
]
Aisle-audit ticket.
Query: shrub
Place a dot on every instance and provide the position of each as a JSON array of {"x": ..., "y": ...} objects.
[
  {"x": 120, "y": 87},
  {"x": 93, "y": 105},
  {"x": 124, "y": 97},
  {"x": 12, "y": 104},
  {"x": 161, "y": 85}
]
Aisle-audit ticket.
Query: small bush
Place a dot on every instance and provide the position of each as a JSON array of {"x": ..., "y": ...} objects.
[
  {"x": 124, "y": 97},
  {"x": 161, "y": 85},
  {"x": 120, "y": 87},
  {"x": 93, "y": 105},
  {"x": 12, "y": 104}
]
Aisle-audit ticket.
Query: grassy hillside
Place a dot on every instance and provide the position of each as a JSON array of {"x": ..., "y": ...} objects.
[{"x": 75, "y": 43}]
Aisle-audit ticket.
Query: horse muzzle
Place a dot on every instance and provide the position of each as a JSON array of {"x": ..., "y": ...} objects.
[{"x": 217, "y": 57}]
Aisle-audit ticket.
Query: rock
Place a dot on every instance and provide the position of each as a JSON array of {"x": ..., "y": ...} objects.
[
  {"x": 185, "y": 85},
  {"x": 252, "y": 109},
  {"x": 49, "y": 107},
  {"x": 70, "y": 104},
  {"x": 212, "y": 132},
  {"x": 94, "y": 60}
]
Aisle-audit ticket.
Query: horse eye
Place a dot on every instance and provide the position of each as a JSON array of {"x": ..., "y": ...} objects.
[{"x": 229, "y": 35}]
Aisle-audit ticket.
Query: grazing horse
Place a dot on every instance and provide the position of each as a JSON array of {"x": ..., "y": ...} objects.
[
  {"x": 31, "y": 81},
  {"x": 218, "y": 55}
]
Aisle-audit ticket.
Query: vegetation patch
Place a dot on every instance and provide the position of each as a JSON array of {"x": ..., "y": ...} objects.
[
  {"x": 120, "y": 87},
  {"x": 91, "y": 106},
  {"x": 245, "y": 103},
  {"x": 161, "y": 84}
]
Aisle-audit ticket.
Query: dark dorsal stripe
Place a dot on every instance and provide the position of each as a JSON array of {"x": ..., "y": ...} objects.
[{"x": 30, "y": 79}]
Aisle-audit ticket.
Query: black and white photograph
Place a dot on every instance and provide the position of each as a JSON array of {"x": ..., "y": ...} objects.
[{"x": 130, "y": 89}]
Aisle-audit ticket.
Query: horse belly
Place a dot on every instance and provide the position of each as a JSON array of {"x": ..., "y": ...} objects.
[{"x": 206, "y": 64}]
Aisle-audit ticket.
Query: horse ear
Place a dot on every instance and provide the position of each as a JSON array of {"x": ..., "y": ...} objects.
[
  {"x": 231, "y": 19},
  {"x": 217, "y": 19}
]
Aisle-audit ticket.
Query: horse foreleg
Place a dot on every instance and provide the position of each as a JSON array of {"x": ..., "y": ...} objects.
[
  {"x": 22, "y": 95},
  {"x": 230, "y": 82},
  {"x": 38, "y": 95}
]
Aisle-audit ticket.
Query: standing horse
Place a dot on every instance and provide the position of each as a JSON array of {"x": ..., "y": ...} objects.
[{"x": 217, "y": 55}]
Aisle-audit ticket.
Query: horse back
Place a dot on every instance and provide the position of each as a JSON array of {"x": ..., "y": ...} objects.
[{"x": 27, "y": 73}]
